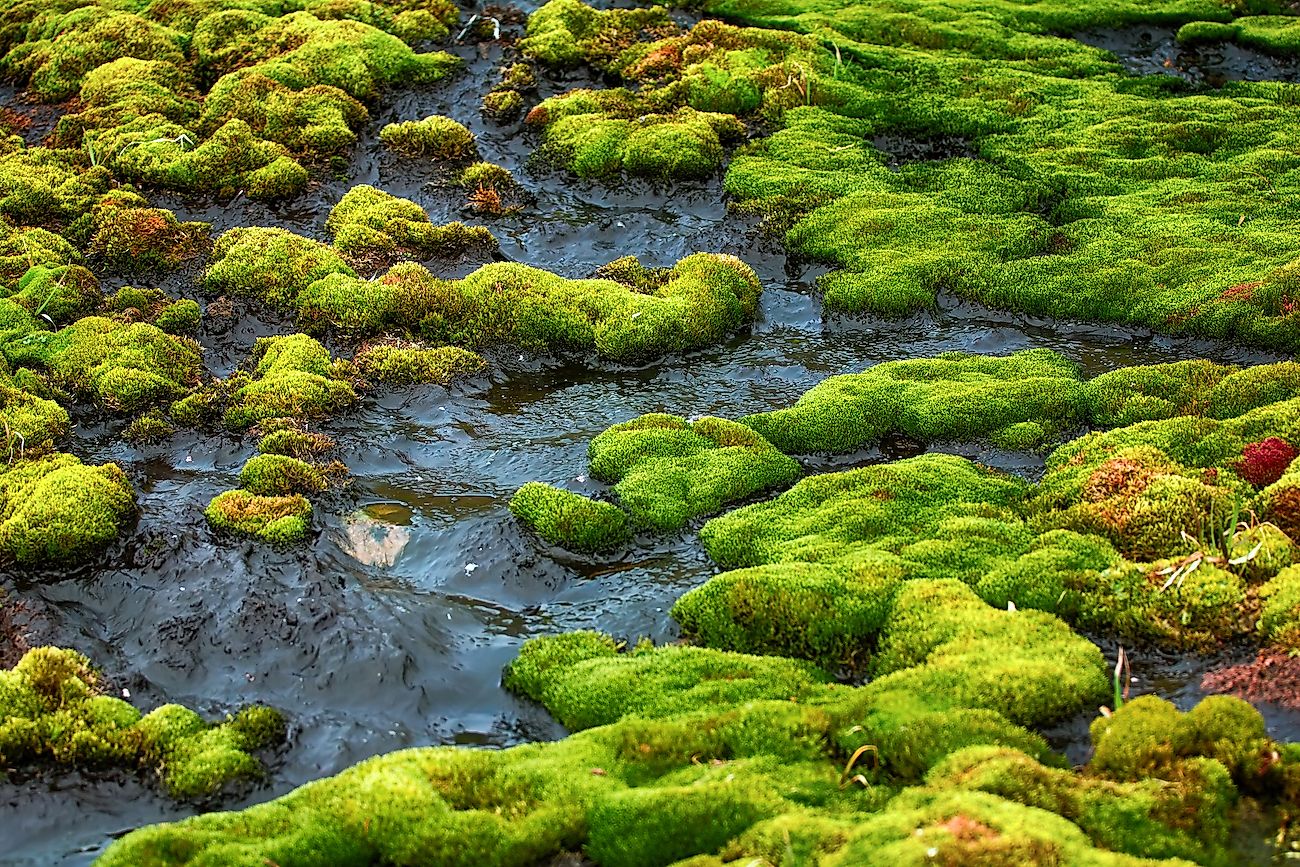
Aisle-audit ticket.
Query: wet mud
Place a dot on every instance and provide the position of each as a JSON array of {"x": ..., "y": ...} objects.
[{"x": 1156, "y": 51}]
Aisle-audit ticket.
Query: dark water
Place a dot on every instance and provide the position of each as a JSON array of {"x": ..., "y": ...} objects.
[
  {"x": 390, "y": 627},
  {"x": 1155, "y": 51}
]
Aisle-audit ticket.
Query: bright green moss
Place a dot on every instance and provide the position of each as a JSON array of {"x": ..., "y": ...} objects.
[
  {"x": 371, "y": 226},
  {"x": 21, "y": 249},
  {"x": 486, "y": 176},
  {"x": 565, "y": 33},
  {"x": 294, "y": 378},
  {"x": 802, "y": 610},
  {"x": 1279, "y": 619},
  {"x": 276, "y": 519},
  {"x": 123, "y": 367},
  {"x": 61, "y": 295},
  {"x": 61, "y": 48},
  {"x": 666, "y": 470},
  {"x": 32, "y": 424},
  {"x": 151, "y": 427},
  {"x": 503, "y": 105},
  {"x": 271, "y": 264},
  {"x": 50, "y": 188},
  {"x": 54, "y": 713},
  {"x": 954, "y": 396},
  {"x": 704, "y": 297},
  {"x": 827, "y": 517},
  {"x": 570, "y": 520},
  {"x": 280, "y": 475},
  {"x": 436, "y": 137},
  {"x": 56, "y": 511},
  {"x": 410, "y": 364},
  {"x": 320, "y": 118}
]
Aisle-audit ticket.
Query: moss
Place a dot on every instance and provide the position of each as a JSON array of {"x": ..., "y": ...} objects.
[
  {"x": 570, "y": 520},
  {"x": 275, "y": 519},
  {"x": 123, "y": 367},
  {"x": 408, "y": 364},
  {"x": 953, "y": 396},
  {"x": 273, "y": 264},
  {"x": 61, "y": 48},
  {"x": 174, "y": 316},
  {"x": 370, "y": 226},
  {"x": 565, "y": 33},
  {"x": 706, "y": 297},
  {"x": 294, "y": 378},
  {"x": 56, "y": 511},
  {"x": 436, "y": 137},
  {"x": 280, "y": 475},
  {"x": 32, "y": 423},
  {"x": 21, "y": 249},
  {"x": 503, "y": 105},
  {"x": 1279, "y": 618},
  {"x": 666, "y": 470},
  {"x": 130, "y": 237},
  {"x": 179, "y": 317},
  {"x": 61, "y": 294},
  {"x": 299, "y": 444},
  {"x": 151, "y": 427},
  {"x": 55, "y": 712},
  {"x": 488, "y": 176}
]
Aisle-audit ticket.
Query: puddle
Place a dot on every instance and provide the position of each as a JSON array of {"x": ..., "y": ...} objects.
[{"x": 1155, "y": 51}]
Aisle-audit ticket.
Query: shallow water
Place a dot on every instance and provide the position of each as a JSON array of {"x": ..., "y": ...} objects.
[
  {"x": 1150, "y": 50},
  {"x": 390, "y": 627}
]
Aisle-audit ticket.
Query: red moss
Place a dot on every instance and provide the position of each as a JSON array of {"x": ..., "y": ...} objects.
[
  {"x": 1264, "y": 462},
  {"x": 1274, "y": 677},
  {"x": 1240, "y": 292},
  {"x": 1117, "y": 477}
]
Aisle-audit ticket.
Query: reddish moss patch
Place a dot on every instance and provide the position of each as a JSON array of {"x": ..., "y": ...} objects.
[{"x": 1273, "y": 676}]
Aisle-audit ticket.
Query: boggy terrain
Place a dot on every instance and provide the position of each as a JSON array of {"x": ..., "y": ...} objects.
[{"x": 977, "y": 392}]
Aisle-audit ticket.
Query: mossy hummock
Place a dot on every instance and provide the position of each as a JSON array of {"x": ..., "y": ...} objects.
[{"x": 54, "y": 711}]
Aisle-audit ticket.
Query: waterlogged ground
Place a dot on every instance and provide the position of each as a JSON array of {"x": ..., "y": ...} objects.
[{"x": 390, "y": 628}]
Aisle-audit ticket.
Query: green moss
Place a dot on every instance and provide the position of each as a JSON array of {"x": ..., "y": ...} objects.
[
  {"x": 486, "y": 176},
  {"x": 55, "y": 712},
  {"x": 953, "y": 396},
  {"x": 294, "y": 378},
  {"x": 371, "y": 226},
  {"x": 124, "y": 367},
  {"x": 706, "y": 297},
  {"x": 565, "y": 33},
  {"x": 436, "y": 137},
  {"x": 1279, "y": 618},
  {"x": 570, "y": 520},
  {"x": 151, "y": 427},
  {"x": 666, "y": 470},
  {"x": 130, "y": 237},
  {"x": 56, "y": 511},
  {"x": 61, "y": 48},
  {"x": 271, "y": 264},
  {"x": 280, "y": 475},
  {"x": 275, "y": 519},
  {"x": 503, "y": 105},
  {"x": 408, "y": 364},
  {"x": 63, "y": 294},
  {"x": 299, "y": 444},
  {"x": 21, "y": 249}
]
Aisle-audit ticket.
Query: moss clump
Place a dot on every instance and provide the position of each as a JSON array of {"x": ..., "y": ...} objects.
[
  {"x": 410, "y": 364},
  {"x": 54, "y": 712},
  {"x": 54, "y": 510},
  {"x": 280, "y": 475},
  {"x": 62, "y": 48},
  {"x": 953, "y": 396},
  {"x": 705, "y": 297},
  {"x": 436, "y": 137},
  {"x": 666, "y": 470},
  {"x": 1279, "y": 619},
  {"x": 570, "y": 520},
  {"x": 22, "y": 249},
  {"x": 130, "y": 237},
  {"x": 275, "y": 519},
  {"x": 61, "y": 294},
  {"x": 565, "y": 33},
  {"x": 503, "y": 105},
  {"x": 32, "y": 424},
  {"x": 295, "y": 443},
  {"x": 294, "y": 377},
  {"x": 151, "y": 427},
  {"x": 271, "y": 264},
  {"x": 124, "y": 367},
  {"x": 370, "y": 226}
]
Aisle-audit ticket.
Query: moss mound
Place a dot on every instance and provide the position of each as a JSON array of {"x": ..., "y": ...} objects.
[
  {"x": 54, "y": 712},
  {"x": 570, "y": 520},
  {"x": 56, "y": 511}
]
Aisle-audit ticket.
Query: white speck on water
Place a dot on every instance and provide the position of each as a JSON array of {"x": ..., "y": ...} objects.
[
  {"x": 470, "y": 567},
  {"x": 126, "y": 693},
  {"x": 582, "y": 479},
  {"x": 189, "y": 460}
]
